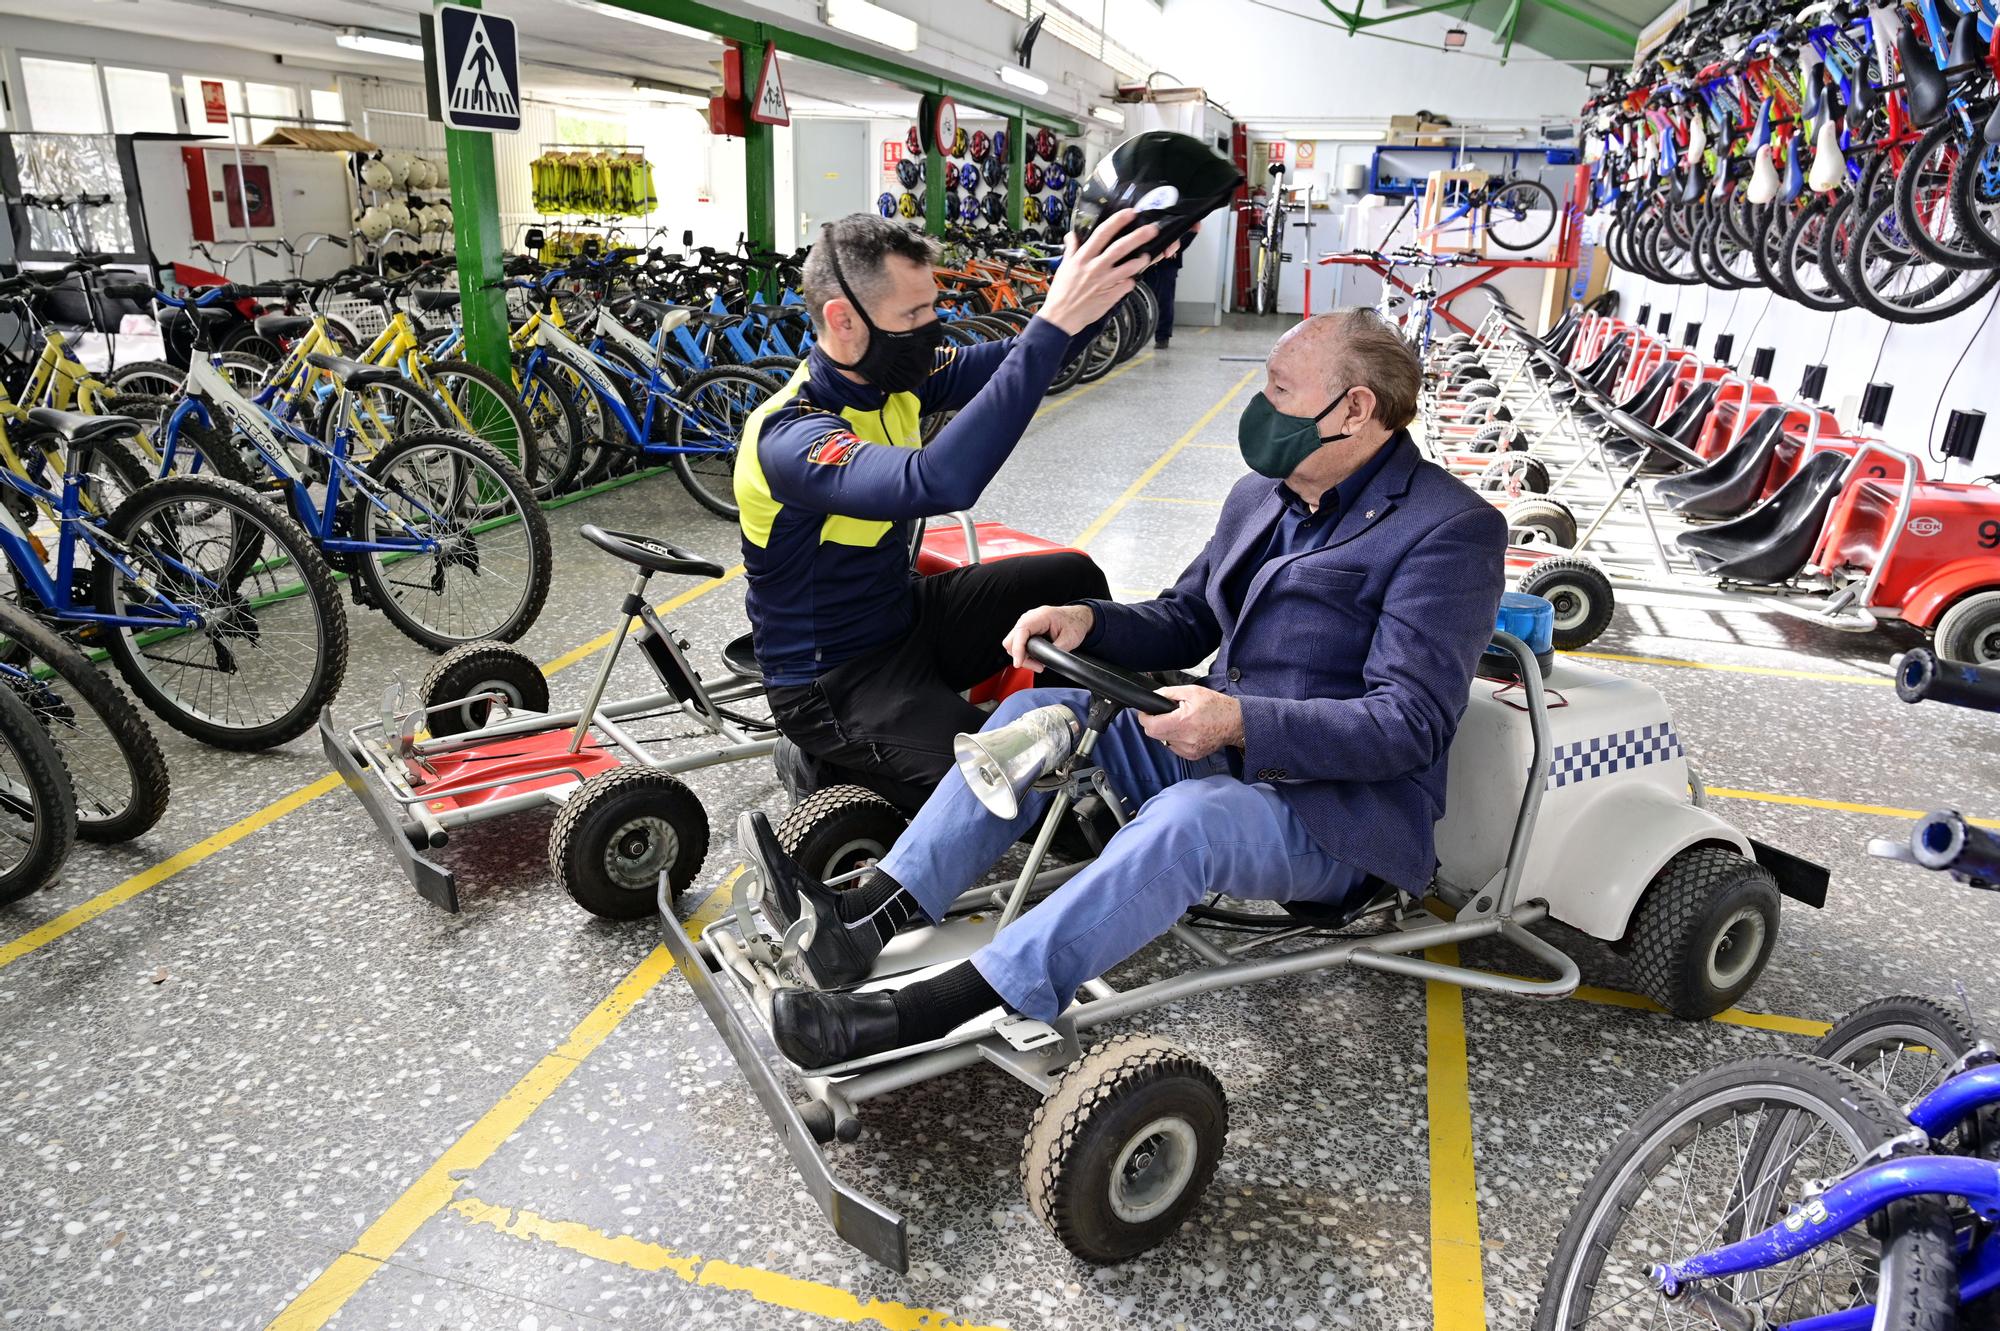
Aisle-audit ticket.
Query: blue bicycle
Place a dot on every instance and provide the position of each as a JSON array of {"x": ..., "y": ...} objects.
[{"x": 1856, "y": 1188}]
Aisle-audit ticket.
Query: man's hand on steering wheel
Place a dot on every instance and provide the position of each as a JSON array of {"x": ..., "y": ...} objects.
[
  {"x": 1063, "y": 625},
  {"x": 1204, "y": 721}
]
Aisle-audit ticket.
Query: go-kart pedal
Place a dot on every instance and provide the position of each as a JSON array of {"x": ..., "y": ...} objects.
[{"x": 834, "y": 953}]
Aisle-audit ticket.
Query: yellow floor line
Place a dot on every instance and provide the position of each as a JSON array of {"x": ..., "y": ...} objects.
[
  {"x": 1762, "y": 1021},
  {"x": 437, "y": 1187},
  {"x": 1231, "y": 448},
  {"x": 1841, "y": 806},
  {"x": 766, "y": 1287},
  {"x": 147, "y": 879},
  {"x": 1779, "y": 672},
  {"x": 1458, "y": 1282},
  {"x": 1178, "y": 499},
  {"x": 1147, "y": 476}
]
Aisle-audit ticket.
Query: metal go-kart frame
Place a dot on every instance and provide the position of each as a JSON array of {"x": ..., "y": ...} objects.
[
  {"x": 425, "y": 772},
  {"x": 739, "y": 963}
]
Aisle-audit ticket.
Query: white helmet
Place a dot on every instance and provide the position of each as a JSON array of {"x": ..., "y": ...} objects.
[
  {"x": 399, "y": 167},
  {"x": 375, "y": 173},
  {"x": 398, "y": 213},
  {"x": 373, "y": 224},
  {"x": 423, "y": 173}
]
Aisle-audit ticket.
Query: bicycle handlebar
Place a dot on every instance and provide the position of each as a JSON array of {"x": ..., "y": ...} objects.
[{"x": 1922, "y": 676}]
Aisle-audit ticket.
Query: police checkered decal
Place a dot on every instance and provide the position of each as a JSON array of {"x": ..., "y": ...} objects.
[{"x": 1618, "y": 752}]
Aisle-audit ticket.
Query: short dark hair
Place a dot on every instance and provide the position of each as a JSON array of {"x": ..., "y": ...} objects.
[{"x": 863, "y": 243}]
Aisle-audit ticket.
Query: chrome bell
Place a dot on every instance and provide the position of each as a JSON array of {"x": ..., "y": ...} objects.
[{"x": 1001, "y": 764}]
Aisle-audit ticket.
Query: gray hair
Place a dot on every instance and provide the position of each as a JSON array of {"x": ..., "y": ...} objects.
[
  {"x": 1363, "y": 350},
  {"x": 863, "y": 242}
]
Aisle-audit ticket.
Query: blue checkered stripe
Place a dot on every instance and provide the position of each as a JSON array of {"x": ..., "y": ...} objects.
[{"x": 1621, "y": 751}]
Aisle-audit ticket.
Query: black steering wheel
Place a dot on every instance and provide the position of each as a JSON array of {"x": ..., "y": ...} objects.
[{"x": 1106, "y": 681}]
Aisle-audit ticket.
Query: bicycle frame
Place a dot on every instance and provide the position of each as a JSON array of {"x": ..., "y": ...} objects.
[
  {"x": 75, "y": 527},
  {"x": 595, "y": 372}
]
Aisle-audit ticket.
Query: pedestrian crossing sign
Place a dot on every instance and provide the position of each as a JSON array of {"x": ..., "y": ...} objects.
[{"x": 473, "y": 69}]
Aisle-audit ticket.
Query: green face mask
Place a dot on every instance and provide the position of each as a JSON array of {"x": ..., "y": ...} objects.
[{"x": 1273, "y": 443}]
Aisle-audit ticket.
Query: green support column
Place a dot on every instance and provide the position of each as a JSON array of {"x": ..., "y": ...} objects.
[
  {"x": 1017, "y": 169},
  {"x": 933, "y": 188},
  {"x": 760, "y": 182},
  {"x": 475, "y": 221}
]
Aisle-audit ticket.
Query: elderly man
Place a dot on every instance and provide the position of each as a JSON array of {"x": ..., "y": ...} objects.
[
  {"x": 864, "y": 665},
  {"x": 1346, "y": 594}
]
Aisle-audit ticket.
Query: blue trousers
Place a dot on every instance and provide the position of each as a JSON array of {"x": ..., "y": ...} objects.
[{"x": 1199, "y": 830}]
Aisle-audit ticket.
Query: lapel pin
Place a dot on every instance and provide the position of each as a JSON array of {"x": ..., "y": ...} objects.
[{"x": 1369, "y": 514}]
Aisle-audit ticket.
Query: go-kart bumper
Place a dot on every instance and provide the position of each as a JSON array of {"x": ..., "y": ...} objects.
[{"x": 433, "y": 882}]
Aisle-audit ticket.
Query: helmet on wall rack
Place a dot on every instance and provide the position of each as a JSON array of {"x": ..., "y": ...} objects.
[
  {"x": 375, "y": 173},
  {"x": 373, "y": 224},
  {"x": 1054, "y": 213},
  {"x": 995, "y": 207},
  {"x": 1045, "y": 144},
  {"x": 1072, "y": 159},
  {"x": 1054, "y": 178},
  {"x": 996, "y": 172},
  {"x": 908, "y": 173},
  {"x": 906, "y": 204},
  {"x": 968, "y": 175},
  {"x": 1168, "y": 178},
  {"x": 958, "y": 142},
  {"x": 981, "y": 145},
  {"x": 1031, "y": 210},
  {"x": 968, "y": 207},
  {"x": 885, "y": 204},
  {"x": 1000, "y": 144},
  {"x": 916, "y": 144},
  {"x": 1031, "y": 178}
]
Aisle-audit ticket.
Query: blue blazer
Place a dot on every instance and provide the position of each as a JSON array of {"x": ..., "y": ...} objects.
[{"x": 1353, "y": 662}]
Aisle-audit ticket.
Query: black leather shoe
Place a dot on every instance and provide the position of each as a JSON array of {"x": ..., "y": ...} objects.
[
  {"x": 816, "y": 1029},
  {"x": 838, "y": 955}
]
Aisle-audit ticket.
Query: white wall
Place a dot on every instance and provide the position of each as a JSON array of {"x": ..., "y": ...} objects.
[{"x": 1857, "y": 348}]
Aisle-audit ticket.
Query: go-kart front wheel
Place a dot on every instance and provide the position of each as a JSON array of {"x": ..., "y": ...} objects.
[
  {"x": 618, "y": 832},
  {"x": 1580, "y": 593},
  {"x": 839, "y": 829},
  {"x": 1121, "y": 1151},
  {"x": 1704, "y": 930},
  {"x": 465, "y": 675}
]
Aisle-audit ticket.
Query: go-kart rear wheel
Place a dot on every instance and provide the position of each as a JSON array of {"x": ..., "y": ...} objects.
[
  {"x": 1703, "y": 931},
  {"x": 840, "y": 829},
  {"x": 1970, "y": 630},
  {"x": 1516, "y": 474},
  {"x": 462, "y": 674},
  {"x": 1121, "y": 1151},
  {"x": 1548, "y": 521},
  {"x": 1580, "y": 593},
  {"x": 619, "y": 832}
]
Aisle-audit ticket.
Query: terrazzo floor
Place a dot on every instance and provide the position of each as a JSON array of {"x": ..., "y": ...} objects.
[{"x": 248, "y": 1078}]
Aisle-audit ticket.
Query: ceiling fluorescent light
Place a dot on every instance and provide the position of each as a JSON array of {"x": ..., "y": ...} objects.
[
  {"x": 1022, "y": 79},
  {"x": 376, "y": 44},
  {"x": 643, "y": 20},
  {"x": 872, "y": 22},
  {"x": 1107, "y": 115}
]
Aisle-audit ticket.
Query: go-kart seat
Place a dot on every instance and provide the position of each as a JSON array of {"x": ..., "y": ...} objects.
[
  {"x": 282, "y": 325},
  {"x": 649, "y": 554},
  {"x": 1728, "y": 486},
  {"x": 1772, "y": 542},
  {"x": 1643, "y": 405},
  {"x": 353, "y": 373},
  {"x": 1599, "y": 374},
  {"x": 740, "y": 655},
  {"x": 1671, "y": 442}
]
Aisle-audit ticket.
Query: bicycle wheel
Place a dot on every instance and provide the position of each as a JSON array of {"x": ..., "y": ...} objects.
[
  {"x": 1975, "y": 200},
  {"x": 380, "y": 414},
  {"x": 485, "y": 408},
  {"x": 1924, "y": 216},
  {"x": 488, "y": 573},
  {"x": 1520, "y": 214},
  {"x": 152, "y": 377},
  {"x": 1889, "y": 278},
  {"x": 1812, "y": 283},
  {"x": 1683, "y": 1181},
  {"x": 267, "y": 647},
  {"x": 116, "y": 769},
  {"x": 1906, "y": 1046},
  {"x": 559, "y": 432},
  {"x": 201, "y": 447},
  {"x": 1102, "y": 353},
  {"x": 712, "y": 407},
  {"x": 37, "y": 809}
]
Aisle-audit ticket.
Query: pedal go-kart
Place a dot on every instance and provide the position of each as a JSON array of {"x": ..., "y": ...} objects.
[
  {"x": 482, "y": 744},
  {"x": 1608, "y": 834}
]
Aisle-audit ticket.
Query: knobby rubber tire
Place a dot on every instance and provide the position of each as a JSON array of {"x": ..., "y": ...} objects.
[{"x": 51, "y": 803}]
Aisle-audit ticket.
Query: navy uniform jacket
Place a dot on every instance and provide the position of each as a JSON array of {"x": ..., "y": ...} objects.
[
  {"x": 1352, "y": 661},
  {"x": 830, "y": 474}
]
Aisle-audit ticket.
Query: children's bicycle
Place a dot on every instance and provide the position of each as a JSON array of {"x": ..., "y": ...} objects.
[{"x": 1513, "y": 214}]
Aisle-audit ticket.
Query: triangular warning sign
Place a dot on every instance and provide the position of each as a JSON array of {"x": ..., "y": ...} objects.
[
  {"x": 768, "y": 106},
  {"x": 480, "y": 84}
]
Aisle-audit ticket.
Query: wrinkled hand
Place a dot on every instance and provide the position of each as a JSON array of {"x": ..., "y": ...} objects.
[
  {"x": 1204, "y": 722},
  {"x": 1097, "y": 274},
  {"x": 1064, "y": 625}
]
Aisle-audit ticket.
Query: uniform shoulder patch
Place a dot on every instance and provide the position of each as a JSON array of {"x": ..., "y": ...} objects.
[{"x": 835, "y": 448}]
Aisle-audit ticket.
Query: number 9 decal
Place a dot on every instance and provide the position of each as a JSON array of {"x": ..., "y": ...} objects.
[{"x": 1989, "y": 534}]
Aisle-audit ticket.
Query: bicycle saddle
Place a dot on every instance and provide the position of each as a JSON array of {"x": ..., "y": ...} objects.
[
  {"x": 670, "y": 316},
  {"x": 76, "y": 429},
  {"x": 1925, "y": 90},
  {"x": 282, "y": 325},
  {"x": 435, "y": 300},
  {"x": 352, "y": 373},
  {"x": 647, "y": 553}
]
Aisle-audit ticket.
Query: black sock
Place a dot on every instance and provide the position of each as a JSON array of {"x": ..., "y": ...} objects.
[
  {"x": 930, "y": 1009},
  {"x": 882, "y": 904}
]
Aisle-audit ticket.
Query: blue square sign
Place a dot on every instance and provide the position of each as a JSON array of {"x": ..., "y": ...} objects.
[{"x": 474, "y": 69}]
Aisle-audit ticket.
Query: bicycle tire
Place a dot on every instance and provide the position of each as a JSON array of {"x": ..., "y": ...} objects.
[
  {"x": 1923, "y": 198},
  {"x": 372, "y": 567},
  {"x": 1916, "y": 1269},
  {"x": 1099, "y": 357},
  {"x": 1860, "y": 1041},
  {"x": 1938, "y": 291},
  {"x": 1524, "y": 198},
  {"x": 424, "y": 414},
  {"x": 1975, "y": 200},
  {"x": 211, "y": 445},
  {"x": 784, "y": 367},
  {"x": 1812, "y": 285},
  {"x": 158, "y": 378},
  {"x": 559, "y": 433},
  {"x": 43, "y": 788},
  {"x": 708, "y": 476},
  {"x": 316, "y": 585},
  {"x": 113, "y": 803},
  {"x": 502, "y": 414}
]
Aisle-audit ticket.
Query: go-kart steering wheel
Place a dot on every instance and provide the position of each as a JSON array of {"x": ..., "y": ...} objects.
[{"x": 1107, "y": 681}]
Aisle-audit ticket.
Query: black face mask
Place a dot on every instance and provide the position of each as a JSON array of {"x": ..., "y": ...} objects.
[{"x": 892, "y": 362}]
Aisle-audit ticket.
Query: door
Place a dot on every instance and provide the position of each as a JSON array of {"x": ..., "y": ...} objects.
[{"x": 832, "y": 171}]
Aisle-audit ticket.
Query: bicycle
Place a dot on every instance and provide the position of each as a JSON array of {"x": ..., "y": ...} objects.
[
  {"x": 1515, "y": 214},
  {"x": 1267, "y": 241}
]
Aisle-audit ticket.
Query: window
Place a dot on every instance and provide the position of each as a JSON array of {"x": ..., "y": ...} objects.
[
  {"x": 274, "y": 100},
  {"x": 327, "y": 105},
  {"x": 63, "y": 97},
  {"x": 142, "y": 101}
]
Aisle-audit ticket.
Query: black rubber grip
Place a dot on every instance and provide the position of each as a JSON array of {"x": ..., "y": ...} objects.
[{"x": 1923, "y": 676}]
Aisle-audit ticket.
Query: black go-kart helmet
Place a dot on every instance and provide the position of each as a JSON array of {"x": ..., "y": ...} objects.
[
  {"x": 907, "y": 173},
  {"x": 996, "y": 172},
  {"x": 1166, "y": 177}
]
